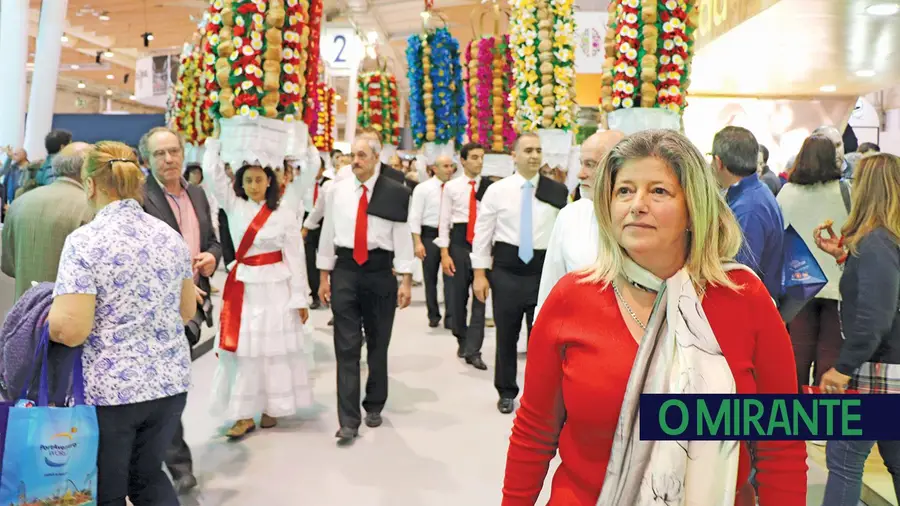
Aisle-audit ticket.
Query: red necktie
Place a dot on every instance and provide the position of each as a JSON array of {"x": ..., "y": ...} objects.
[
  {"x": 315, "y": 194},
  {"x": 473, "y": 214},
  {"x": 360, "y": 242}
]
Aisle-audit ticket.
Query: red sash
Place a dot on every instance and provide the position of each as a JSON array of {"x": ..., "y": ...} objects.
[{"x": 233, "y": 295}]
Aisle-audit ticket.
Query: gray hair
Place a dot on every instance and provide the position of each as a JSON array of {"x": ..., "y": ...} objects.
[
  {"x": 144, "y": 145},
  {"x": 68, "y": 163}
]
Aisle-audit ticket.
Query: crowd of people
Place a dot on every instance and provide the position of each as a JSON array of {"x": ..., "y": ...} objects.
[{"x": 661, "y": 272}]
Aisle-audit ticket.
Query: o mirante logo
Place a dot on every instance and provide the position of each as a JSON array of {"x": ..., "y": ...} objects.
[{"x": 768, "y": 417}]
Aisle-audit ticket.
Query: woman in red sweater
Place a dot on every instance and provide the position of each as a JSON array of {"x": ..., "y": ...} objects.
[{"x": 659, "y": 312}]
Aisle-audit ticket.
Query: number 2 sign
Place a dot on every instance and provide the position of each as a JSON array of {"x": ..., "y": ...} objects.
[{"x": 340, "y": 48}]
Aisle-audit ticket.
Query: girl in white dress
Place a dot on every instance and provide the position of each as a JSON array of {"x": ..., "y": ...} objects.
[{"x": 263, "y": 366}]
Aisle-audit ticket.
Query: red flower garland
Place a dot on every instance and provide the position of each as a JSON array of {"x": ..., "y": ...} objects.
[
  {"x": 674, "y": 57},
  {"x": 626, "y": 79},
  {"x": 312, "y": 65}
]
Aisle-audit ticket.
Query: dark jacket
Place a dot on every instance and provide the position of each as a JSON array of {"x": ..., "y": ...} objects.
[
  {"x": 393, "y": 173},
  {"x": 870, "y": 303},
  {"x": 156, "y": 205}
]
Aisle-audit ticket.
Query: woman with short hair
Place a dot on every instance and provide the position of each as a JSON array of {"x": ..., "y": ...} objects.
[
  {"x": 124, "y": 289},
  {"x": 663, "y": 310}
]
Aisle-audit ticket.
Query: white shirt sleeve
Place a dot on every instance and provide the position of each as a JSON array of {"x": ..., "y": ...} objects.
[
  {"x": 485, "y": 225},
  {"x": 314, "y": 220},
  {"x": 417, "y": 209},
  {"x": 446, "y": 216},
  {"x": 554, "y": 263},
  {"x": 326, "y": 257},
  {"x": 403, "y": 248},
  {"x": 295, "y": 259},
  {"x": 214, "y": 172}
]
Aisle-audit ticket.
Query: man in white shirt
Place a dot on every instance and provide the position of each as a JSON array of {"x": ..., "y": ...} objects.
[
  {"x": 574, "y": 240},
  {"x": 459, "y": 210},
  {"x": 365, "y": 234},
  {"x": 311, "y": 231},
  {"x": 511, "y": 236},
  {"x": 424, "y": 215}
]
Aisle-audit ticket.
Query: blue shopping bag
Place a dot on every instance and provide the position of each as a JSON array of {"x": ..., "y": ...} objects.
[
  {"x": 50, "y": 454},
  {"x": 801, "y": 277}
]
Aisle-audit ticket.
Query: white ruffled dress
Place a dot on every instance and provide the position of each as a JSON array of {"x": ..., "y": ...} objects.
[{"x": 270, "y": 370}]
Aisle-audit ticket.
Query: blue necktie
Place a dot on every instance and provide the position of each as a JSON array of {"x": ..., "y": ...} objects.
[{"x": 526, "y": 246}]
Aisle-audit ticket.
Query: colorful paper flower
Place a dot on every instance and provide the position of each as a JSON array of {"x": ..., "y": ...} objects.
[{"x": 437, "y": 99}]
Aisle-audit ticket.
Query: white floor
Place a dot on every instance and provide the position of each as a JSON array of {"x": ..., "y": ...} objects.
[{"x": 443, "y": 442}]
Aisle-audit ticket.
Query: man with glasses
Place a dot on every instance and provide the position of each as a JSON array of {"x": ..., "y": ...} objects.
[
  {"x": 573, "y": 241},
  {"x": 183, "y": 207}
]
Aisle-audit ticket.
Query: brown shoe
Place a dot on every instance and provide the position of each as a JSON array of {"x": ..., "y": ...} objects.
[
  {"x": 213, "y": 289},
  {"x": 489, "y": 323},
  {"x": 267, "y": 422},
  {"x": 241, "y": 428}
]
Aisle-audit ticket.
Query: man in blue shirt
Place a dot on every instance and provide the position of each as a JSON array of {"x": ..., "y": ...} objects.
[{"x": 735, "y": 152}]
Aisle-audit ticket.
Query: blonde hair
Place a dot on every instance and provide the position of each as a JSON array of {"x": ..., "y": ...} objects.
[
  {"x": 875, "y": 199},
  {"x": 715, "y": 235},
  {"x": 114, "y": 169}
]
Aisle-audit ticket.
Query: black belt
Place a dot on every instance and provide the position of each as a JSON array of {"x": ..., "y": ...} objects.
[
  {"x": 429, "y": 231},
  {"x": 506, "y": 256},
  {"x": 379, "y": 260}
]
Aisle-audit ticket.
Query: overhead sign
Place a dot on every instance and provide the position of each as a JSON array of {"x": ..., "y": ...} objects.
[
  {"x": 340, "y": 49},
  {"x": 590, "y": 28},
  {"x": 720, "y": 16}
]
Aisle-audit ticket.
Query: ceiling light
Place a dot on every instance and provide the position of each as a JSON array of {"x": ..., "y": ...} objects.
[
  {"x": 107, "y": 54},
  {"x": 865, "y": 73},
  {"x": 883, "y": 9},
  {"x": 104, "y": 16},
  {"x": 110, "y": 76},
  {"x": 74, "y": 66},
  {"x": 81, "y": 85},
  {"x": 372, "y": 37},
  {"x": 64, "y": 39},
  {"x": 337, "y": 97},
  {"x": 147, "y": 36},
  {"x": 108, "y": 91},
  {"x": 829, "y": 88},
  {"x": 132, "y": 97}
]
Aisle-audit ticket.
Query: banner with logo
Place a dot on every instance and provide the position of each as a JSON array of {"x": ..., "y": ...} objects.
[{"x": 590, "y": 30}]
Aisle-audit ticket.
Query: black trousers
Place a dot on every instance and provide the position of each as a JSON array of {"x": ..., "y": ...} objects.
[
  {"x": 179, "y": 461},
  {"x": 430, "y": 268},
  {"x": 311, "y": 246},
  {"x": 470, "y": 336},
  {"x": 228, "y": 252},
  {"x": 133, "y": 442},
  {"x": 362, "y": 297},
  {"x": 515, "y": 297}
]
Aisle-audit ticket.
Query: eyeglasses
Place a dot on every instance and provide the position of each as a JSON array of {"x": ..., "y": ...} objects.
[{"x": 161, "y": 153}]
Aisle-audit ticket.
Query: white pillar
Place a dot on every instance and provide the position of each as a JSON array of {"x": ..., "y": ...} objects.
[
  {"x": 14, "y": 48},
  {"x": 43, "y": 79},
  {"x": 352, "y": 104}
]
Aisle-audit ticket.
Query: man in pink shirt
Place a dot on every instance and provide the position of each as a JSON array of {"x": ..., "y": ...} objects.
[{"x": 184, "y": 207}]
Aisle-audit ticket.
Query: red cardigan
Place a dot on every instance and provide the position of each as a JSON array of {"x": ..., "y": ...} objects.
[{"x": 579, "y": 358}]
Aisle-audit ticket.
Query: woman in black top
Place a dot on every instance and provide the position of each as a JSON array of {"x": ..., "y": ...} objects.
[{"x": 869, "y": 360}]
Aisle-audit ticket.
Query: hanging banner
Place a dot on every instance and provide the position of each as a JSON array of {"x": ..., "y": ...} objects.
[
  {"x": 154, "y": 77},
  {"x": 590, "y": 28}
]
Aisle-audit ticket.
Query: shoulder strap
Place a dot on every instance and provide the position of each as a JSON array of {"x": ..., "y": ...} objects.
[{"x": 845, "y": 194}]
